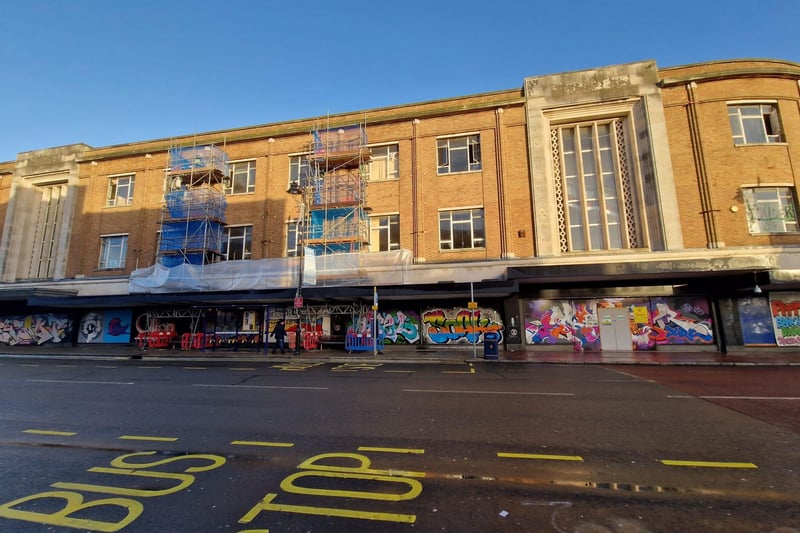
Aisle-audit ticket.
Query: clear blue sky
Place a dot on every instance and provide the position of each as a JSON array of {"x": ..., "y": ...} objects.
[{"x": 112, "y": 72}]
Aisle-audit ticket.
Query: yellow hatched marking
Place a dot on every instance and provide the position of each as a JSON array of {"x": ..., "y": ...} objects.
[
  {"x": 708, "y": 464},
  {"x": 147, "y": 438},
  {"x": 545, "y": 457},
  {"x": 261, "y": 443},
  {"x": 49, "y": 432},
  {"x": 390, "y": 450}
]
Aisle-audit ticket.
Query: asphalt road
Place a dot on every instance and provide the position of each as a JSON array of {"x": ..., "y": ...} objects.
[{"x": 143, "y": 446}]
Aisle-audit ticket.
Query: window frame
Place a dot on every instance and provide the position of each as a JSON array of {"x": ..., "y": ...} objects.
[
  {"x": 113, "y": 195},
  {"x": 292, "y": 238},
  {"x": 249, "y": 174},
  {"x": 785, "y": 199},
  {"x": 385, "y": 229},
  {"x": 246, "y": 242},
  {"x": 477, "y": 229},
  {"x": 447, "y": 147},
  {"x": 770, "y": 130},
  {"x": 107, "y": 246},
  {"x": 391, "y": 158},
  {"x": 301, "y": 169}
]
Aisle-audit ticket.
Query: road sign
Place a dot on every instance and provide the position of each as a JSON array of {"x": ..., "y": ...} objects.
[{"x": 298, "y": 302}]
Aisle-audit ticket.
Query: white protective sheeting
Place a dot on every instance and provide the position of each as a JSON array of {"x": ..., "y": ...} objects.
[{"x": 334, "y": 270}]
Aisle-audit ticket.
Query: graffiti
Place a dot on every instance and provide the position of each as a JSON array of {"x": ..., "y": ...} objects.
[
  {"x": 34, "y": 329},
  {"x": 108, "y": 326},
  {"x": 563, "y": 322},
  {"x": 682, "y": 323},
  {"x": 654, "y": 322},
  {"x": 400, "y": 327},
  {"x": 786, "y": 318},
  {"x": 459, "y": 326}
]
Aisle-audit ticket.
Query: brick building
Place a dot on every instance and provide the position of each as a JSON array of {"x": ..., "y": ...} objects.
[{"x": 618, "y": 208}]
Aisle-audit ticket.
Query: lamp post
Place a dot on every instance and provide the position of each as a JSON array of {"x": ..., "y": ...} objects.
[{"x": 296, "y": 190}]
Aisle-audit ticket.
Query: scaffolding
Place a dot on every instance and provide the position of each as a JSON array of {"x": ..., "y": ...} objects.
[
  {"x": 337, "y": 220},
  {"x": 193, "y": 216}
]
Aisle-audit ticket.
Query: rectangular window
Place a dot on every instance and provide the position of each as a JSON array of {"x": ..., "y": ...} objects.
[
  {"x": 459, "y": 154},
  {"x": 383, "y": 164},
  {"x": 755, "y": 123},
  {"x": 588, "y": 162},
  {"x": 243, "y": 178},
  {"x": 237, "y": 243},
  {"x": 300, "y": 170},
  {"x": 384, "y": 233},
  {"x": 292, "y": 240},
  {"x": 120, "y": 191},
  {"x": 462, "y": 229},
  {"x": 771, "y": 209},
  {"x": 113, "y": 249}
]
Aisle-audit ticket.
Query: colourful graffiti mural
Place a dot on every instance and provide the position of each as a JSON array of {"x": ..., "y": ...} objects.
[
  {"x": 107, "y": 326},
  {"x": 34, "y": 329},
  {"x": 400, "y": 327},
  {"x": 459, "y": 325},
  {"x": 657, "y": 321},
  {"x": 681, "y": 321},
  {"x": 785, "y": 308},
  {"x": 571, "y": 322}
]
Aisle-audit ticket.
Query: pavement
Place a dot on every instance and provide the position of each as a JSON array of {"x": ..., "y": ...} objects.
[{"x": 767, "y": 356}]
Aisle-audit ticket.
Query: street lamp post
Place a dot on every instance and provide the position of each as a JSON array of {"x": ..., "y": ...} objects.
[{"x": 296, "y": 190}]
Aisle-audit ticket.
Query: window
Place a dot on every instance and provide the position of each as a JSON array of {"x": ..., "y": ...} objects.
[
  {"x": 755, "y": 123},
  {"x": 461, "y": 229},
  {"x": 120, "y": 191},
  {"x": 383, "y": 164},
  {"x": 243, "y": 178},
  {"x": 459, "y": 154},
  {"x": 384, "y": 233},
  {"x": 113, "y": 250},
  {"x": 593, "y": 187},
  {"x": 300, "y": 170},
  {"x": 292, "y": 240},
  {"x": 237, "y": 243},
  {"x": 771, "y": 210}
]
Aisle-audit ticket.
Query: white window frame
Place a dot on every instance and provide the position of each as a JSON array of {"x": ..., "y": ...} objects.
[
  {"x": 454, "y": 145},
  {"x": 771, "y": 209},
  {"x": 384, "y": 163},
  {"x": 120, "y": 194},
  {"x": 473, "y": 218},
  {"x": 301, "y": 169},
  {"x": 755, "y": 122},
  {"x": 292, "y": 238},
  {"x": 113, "y": 251},
  {"x": 243, "y": 177},
  {"x": 384, "y": 232},
  {"x": 244, "y": 242}
]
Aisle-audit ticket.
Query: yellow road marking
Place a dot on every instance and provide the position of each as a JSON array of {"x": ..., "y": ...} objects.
[
  {"x": 400, "y": 371},
  {"x": 195, "y": 368},
  {"x": 49, "y": 432},
  {"x": 266, "y": 505},
  {"x": 144, "y": 437},
  {"x": 541, "y": 456},
  {"x": 390, "y": 450},
  {"x": 154, "y": 367},
  {"x": 708, "y": 464},
  {"x": 261, "y": 443},
  {"x": 245, "y": 368}
]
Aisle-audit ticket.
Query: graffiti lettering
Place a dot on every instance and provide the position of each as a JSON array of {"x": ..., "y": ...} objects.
[{"x": 459, "y": 326}]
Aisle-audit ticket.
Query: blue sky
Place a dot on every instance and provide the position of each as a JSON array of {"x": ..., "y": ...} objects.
[{"x": 111, "y": 72}]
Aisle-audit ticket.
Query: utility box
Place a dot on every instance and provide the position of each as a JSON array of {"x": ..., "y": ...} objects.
[{"x": 491, "y": 340}]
